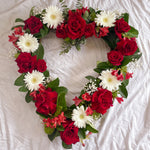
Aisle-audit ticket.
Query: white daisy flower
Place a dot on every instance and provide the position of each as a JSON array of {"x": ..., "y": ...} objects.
[
  {"x": 53, "y": 17},
  {"x": 33, "y": 80},
  {"x": 109, "y": 81},
  {"x": 28, "y": 43},
  {"x": 105, "y": 19},
  {"x": 80, "y": 118}
]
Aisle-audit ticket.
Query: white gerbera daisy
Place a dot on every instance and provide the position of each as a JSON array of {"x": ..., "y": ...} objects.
[
  {"x": 105, "y": 19},
  {"x": 109, "y": 81},
  {"x": 53, "y": 17},
  {"x": 28, "y": 43},
  {"x": 33, "y": 80},
  {"x": 80, "y": 118}
]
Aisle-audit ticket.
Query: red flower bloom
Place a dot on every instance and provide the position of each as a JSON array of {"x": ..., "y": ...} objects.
[
  {"x": 115, "y": 58},
  {"x": 102, "y": 100},
  {"x": 61, "y": 31},
  {"x": 89, "y": 30},
  {"x": 83, "y": 10},
  {"x": 77, "y": 101},
  {"x": 119, "y": 99},
  {"x": 13, "y": 38},
  {"x": 86, "y": 97},
  {"x": 128, "y": 75},
  {"x": 18, "y": 31},
  {"x": 76, "y": 25},
  {"x": 70, "y": 134},
  {"x": 127, "y": 46},
  {"x": 121, "y": 27},
  {"x": 33, "y": 24},
  {"x": 26, "y": 62},
  {"x": 46, "y": 102},
  {"x": 41, "y": 65},
  {"x": 89, "y": 111}
]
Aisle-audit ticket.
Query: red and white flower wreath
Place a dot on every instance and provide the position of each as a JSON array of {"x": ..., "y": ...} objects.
[{"x": 74, "y": 123}]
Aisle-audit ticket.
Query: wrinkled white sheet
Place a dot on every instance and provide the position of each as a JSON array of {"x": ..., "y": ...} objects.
[{"x": 124, "y": 127}]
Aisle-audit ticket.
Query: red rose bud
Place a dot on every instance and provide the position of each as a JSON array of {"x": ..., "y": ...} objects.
[
  {"x": 102, "y": 100},
  {"x": 33, "y": 24},
  {"x": 41, "y": 65},
  {"x": 70, "y": 134},
  {"x": 89, "y": 30},
  {"x": 127, "y": 46},
  {"x": 115, "y": 58},
  {"x": 61, "y": 31}
]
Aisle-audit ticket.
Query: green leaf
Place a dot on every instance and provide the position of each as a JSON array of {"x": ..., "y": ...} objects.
[
  {"x": 86, "y": 15},
  {"x": 46, "y": 73},
  {"x": 28, "y": 98},
  {"x": 32, "y": 11},
  {"x": 61, "y": 101},
  {"x": 81, "y": 133},
  {"x": 126, "y": 17},
  {"x": 66, "y": 146},
  {"x": 39, "y": 52},
  {"x": 49, "y": 130},
  {"x": 23, "y": 89},
  {"x": 19, "y": 20},
  {"x": 53, "y": 135},
  {"x": 67, "y": 40},
  {"x": 68, "y": 113},
  {"x": 123, "y": 91},
  {"x": 58, "y": 111},
  {"x": 60, "y": 90},
  {"x": 96, "y": 115},
  {"x": 90, "y": 78},
  {"x": 54, "y": 83},
  {"x": 44, "y": 31},
  {"x": 125, "y": 82},
  {"x": 91, "y": 129},
  {"x": 20, "y": 80},
  {"x": 42, "y": 115},
  {"x": 132, "y": 33},
  {"x": 17, "y": 26},
  {"x": 60, "y": 128}
]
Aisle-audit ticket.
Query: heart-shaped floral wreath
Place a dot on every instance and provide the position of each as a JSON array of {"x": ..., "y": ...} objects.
[{"x": 74, "y": 123}]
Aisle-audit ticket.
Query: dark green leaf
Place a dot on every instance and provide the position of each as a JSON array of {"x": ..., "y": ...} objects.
[
  {"x": 42, "y": 115},
  {"x": 67, "y": 40},
  {"x": 58, "y": 111},
  {"x": 66, "y": 146},
  {"x": 19, "y": 20},
  {"x": 132, "y": 33},
  {"x": 68, "y": 113},
  {"x": 103, "y": 65},
  {"x": 54, "y": 83},
  {"x": 46, "y": 73},
  {"x": 39, "y": 52},
  {"x": 90, "y": 78},
  {"x": 60, "y": 128},
  {"x": 91, "y": 129},
  {"x": 44, "y": 31},
  {"x": 125, "y": 82},
  {"x": 20, "y": 80},
  {"x": 49, "y": 130},
  {"x": 61, "y": 101},
  {"x": 23, "y": 89},
  {"x": 31, "y": 11},
  {"x": 81, "y": 133},
  {"x": 28, "y": 98},
  {"x": 53, "y": 135},
  {"x": 60, "y": 90},
  {"x": 126, "y": 17},
  {"x": 123, "y": 91},
  {"x": 97, "y": 70}
]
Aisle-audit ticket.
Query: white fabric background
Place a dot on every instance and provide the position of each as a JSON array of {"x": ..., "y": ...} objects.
[{"x": 124, "y": 127}]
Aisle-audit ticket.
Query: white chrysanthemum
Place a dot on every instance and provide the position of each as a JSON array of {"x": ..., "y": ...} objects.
[
  {"x": 53, "y": 17},
  {"x": 109, "y": 81},
  {"x": 33, "y": 80},
  {"x": 80, "y": 118},
  {"x": 105, "y": 19},
  {"x": 28, "y": 43}
]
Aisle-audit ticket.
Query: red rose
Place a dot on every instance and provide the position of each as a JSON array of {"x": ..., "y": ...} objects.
[
  {"x": 26, "y": 62},
  {"x": 33, "y": 24},
  {"x": 41, "y": 65},
  {"x": 61, "y": 31},
  {"x": 115, "y": 58},
  {"x": 76, "y": 25},
  {"x": 46, "y": 101},
  {"x": 127, "y": 46},
  {"x": 89, "y": 30},
  {"x": 102, "y": 100},
  {"x": 83, "y": 10},
  {"x": 70, "y": 134}
]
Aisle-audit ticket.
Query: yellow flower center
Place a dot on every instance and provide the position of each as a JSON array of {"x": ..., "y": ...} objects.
[
  {"x": 28, "y": 44},
  {"x": 53, "y": 17},
  {"x": 105, "y": 20},
  {"x": 109, "y": 80},
  {"x": 34, "y": 80},
  {"x": 81, "y": 116}
]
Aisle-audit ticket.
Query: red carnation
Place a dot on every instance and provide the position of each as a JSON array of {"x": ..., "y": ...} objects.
[
  {"x": 115, "y": 58},
  {"x": 121, "y": 27},
  {"x": 18, "y": 31},
  {"x": 127, "y": 46},
  {"x": 33, "y": 24},
  {"x": 41, "y": 65},
  {"x": 70, "y": 134},
  {"x": 86, "y": 97},
  {"x": 89, "y": 30},
  {"x": 76, "y": 25},
  {"x": 102, "y": 100},
  {"x": 61, "y": 31},
  {"x": 26, "y": 62}
]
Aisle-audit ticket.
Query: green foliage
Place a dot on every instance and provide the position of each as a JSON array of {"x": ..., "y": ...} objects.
[
  {"x": 53, "y": 135},
  {"x": 31, "y": 11},
  {"x": 58, "y": 111},
  {"x": 20, "y": 80},
  {"x": 61, "y": 101},
  {"x": 90, "y": 78},
  {"x": 125, "y": 16},
  {"x": 66, "y": 146},
  {"x": 54, "y": 83},
  {"x": 96, "y": 115},
  {"x": 44, "y": 31},
  {"x": 23, "y": 89},
  {"x": 92, "y": 14},
  {"x": 68, "y": 113},
  {"x": 46, "y": 73},
  {"x": 19, "y": 20},
  {"x": 48, "y": 130},
  {"x": 131, "y": 33},
  {"x": 91, "y": 129},
  {"x": 60, "y": 128},
  {"x": 28, "y": 98},
  {"x": 81, "y": 133},
  {"x": 123, "y": 91},
  {"x": 125, "y": 82},
  {"x": 60, "y": 90},
  {"x": 39, "y": 52}
]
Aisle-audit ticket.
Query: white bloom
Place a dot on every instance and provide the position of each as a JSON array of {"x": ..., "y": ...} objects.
[
  {"x": 105, "y": 19},
  {"x": 33, "y": 80},
  {"x": 109, "y": 81},
  {"x": 28, "y": 43},
  {"x": 53, "y": 17},
  {"x": 80, "y": 118}
]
